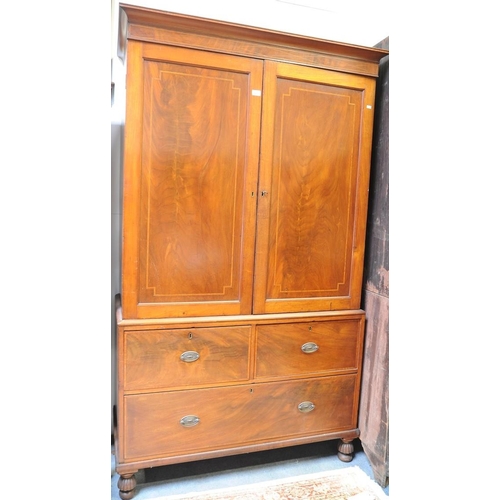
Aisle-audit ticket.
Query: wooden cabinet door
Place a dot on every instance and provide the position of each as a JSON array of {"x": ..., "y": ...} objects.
[
  {"x": 313, "y": 189},
  {"x": 190, "y": 174}
]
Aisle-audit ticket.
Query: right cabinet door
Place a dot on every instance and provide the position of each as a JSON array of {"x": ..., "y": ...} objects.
[{"x": 313, "y": 189}]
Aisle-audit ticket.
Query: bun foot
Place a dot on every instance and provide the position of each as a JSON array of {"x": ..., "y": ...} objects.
[
  {"x": 345, "y": 450},
  {"x": 126, "y": 485}
]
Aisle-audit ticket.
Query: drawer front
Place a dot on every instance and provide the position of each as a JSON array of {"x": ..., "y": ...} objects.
[
  {"x": 156, "y": 359},
  {"x": 306, "y": 348},
  {"x": 227, "y": 417}
]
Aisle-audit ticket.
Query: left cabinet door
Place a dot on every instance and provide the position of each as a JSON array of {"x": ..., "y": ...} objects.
[{"x": 190, "y": 177}]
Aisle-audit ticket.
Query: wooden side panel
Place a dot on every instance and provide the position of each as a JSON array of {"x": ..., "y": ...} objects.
[
  {"x": 192, "y": 239},
  {"x": 313, "y": 189},
  {"x": 374, "y": 403},
  {"x": 374, "y": 400}
]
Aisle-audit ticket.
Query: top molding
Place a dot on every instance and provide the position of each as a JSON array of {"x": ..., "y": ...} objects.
[{"x": 150, "y": 25}]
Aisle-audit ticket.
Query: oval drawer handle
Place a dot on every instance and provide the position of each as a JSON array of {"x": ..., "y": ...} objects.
[
  {"x": 310, "y": 347},
  {"x": 189, "y": 421},
  {"x": 306, "y": 406},
  {"x": 189, "y": 356}
]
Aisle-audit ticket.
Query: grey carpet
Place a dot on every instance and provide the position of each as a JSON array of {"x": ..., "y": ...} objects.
[{"x": 238, "y": 470}]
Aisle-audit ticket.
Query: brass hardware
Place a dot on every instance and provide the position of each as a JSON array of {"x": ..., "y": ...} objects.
[
  {"x": 310, "y": 347},
  {"x": 189, "y": 356},
  {"x": 263, "y": 193},
  {"x": 190, "y": 335},
  {"x": 189, "y": 421},
  {"x": 306, "y": 406}
]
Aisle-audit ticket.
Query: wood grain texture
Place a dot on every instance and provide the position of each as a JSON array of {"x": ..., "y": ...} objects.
[
  {"x": 261, "y": 50},
  {"x": 192, "y": 184},
  {"x": 374, "y": 404},
  {"x": 315, "y": 168},
  {"x": 245, "y": 196},
  {"x": 280, "y": 354},
  {"x": 234, "y": 416},
  {"x": 188, "y": 183},
  {"x": 374, "y": 400},
  {"x": 153, "y": 358},
  {"x": 146, "y": 24}
]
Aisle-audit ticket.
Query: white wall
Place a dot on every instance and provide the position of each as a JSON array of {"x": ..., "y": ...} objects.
[
  {"x": 116, "y": 215},
  {"x": 348, "y": 22}
]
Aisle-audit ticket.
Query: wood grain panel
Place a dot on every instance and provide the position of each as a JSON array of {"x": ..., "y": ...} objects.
[
  {"x": 153, "y": 358},
  {"x": 312, "y": 210},
  {"x": 257, "y": 50},
  {"x": 192, "y": 190},
  {"x": 194, "y": 236},
  {"x": 374, "y": 402},
  {"x": 315, "y": 175},
  {"x": 279, "y": 348},
  {"x": 235, "y": 416}
]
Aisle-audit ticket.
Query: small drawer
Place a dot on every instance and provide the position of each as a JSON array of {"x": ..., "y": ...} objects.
[
  {"x": 156, "y": 359},
  {"x": 172, "y": 424},
  {"x": 307, "y": 348}
]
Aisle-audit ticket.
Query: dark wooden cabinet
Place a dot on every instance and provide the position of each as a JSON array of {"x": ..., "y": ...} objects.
[
  {"x": 374, "y": 399},
  {"x": 246, "y": 174}
]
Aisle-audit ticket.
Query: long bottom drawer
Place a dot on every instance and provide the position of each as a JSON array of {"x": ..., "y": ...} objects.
[{"x": 176, "y": 423}]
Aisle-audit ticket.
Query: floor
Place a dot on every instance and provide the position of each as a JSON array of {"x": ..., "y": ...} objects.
[{"x": 239, "y": 470}]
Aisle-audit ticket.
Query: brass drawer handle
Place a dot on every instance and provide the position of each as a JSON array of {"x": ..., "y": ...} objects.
[
  {"x": 306, "y": 406},
  {"x": 189, "y": 356},
  {"x": 310, "y": 347},
  {"x": 189, "y": 421}
]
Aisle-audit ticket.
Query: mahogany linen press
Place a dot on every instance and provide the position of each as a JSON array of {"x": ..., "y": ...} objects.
[{"x": 245, "y": 194}]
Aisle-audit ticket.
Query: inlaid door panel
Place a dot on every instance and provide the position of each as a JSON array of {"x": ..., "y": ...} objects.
[
  {"x": 190, "y": 172},
  {"x": 313, "y": 189}
]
